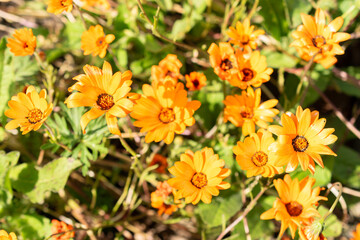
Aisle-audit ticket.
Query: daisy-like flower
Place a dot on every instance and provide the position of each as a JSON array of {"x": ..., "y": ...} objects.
[
  {"x": 302, "y": 139},
  {"x": 96, "y": 3},
  {"x": 195, "y": 81},
  {"x": 253, "y": 155},
  {"x": 28, "y": 110},
  {"x": 105, "y": 93},
  {"x": 199, "y": 175},
  {"x": 59, "y": 227},
  {"x": 161, "y": 161},
  {"x": 59, "y": 6},
  {"x": 252, "y": 71},
  {"x": 5, "y": 236},
  {"x": 245, "y": 110},
  {"x": 315, "y": 37},
  {"x": 312, "y": 231},
  {"x": 356, "y": 234},
  {"x": 296, "y": 204},
  {"x": 23, "y": 43},
  {"x": 95, "y": 42},
  {"x": 222, "y": 59},
  {"x": 163, "y": 199},
  {"x": 244, "y": 35},
  {"x": 164, "y": 110},
  {"x": 168, "y": 68}
]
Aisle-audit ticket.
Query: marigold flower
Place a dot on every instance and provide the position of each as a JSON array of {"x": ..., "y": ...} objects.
[
  {"x": 95, "y": 42},
  {"x": 168, "y": 68},
  {"x": 222, "y": 59},
  {"x": 312, "y": 231},
  {"x": 252, "y": 71},
  {"x": 315, "y": 37},
  {"x": 161, "y": 161},
  {"x": 296, "y": 203},
  {"x": 244, "y": 35},
  {"x": 61, "y": 227},
  {"x": 199, "y": 175},
  {"x": 59, "y": 6},
  {"x": 23, "y": 43},
  {"x": 356, "y": 234},
  {"x": 104, "y": 93},
  {"x": 245, "y": 110},
  {"x": 5, "y": 236},
  {"x": 162, "y": 200},
  {"x": 96, "y": 3},
  {"x": 195, "y": 81},
  {"x": 302, "y": 139},
  {"x": 253, "y": 155},
  {"x": 164, "y": 110},
  {"x": 28, "y": 110}
]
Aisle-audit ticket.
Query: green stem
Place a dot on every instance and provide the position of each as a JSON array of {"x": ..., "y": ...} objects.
[
  {"x": 335, "y": 202},
  {"x": 123, "y": 195},
  {"x": 133, "y": 153}
]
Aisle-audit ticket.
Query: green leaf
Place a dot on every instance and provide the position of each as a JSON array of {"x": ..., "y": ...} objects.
[
  {"x": 277, "y": 59},
  {"x": 31, "y": 226}
]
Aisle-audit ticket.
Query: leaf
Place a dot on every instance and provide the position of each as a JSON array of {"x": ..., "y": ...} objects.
[
  {"x": 8, "y": 161},
  {"x": 277, "y": 60}
]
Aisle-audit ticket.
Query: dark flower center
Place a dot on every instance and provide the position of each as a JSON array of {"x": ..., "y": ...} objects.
[
  {"x": 196, "y": 83},
  {"x": 300, "y": 144},
  {"x": 100, "y": 41},
  {"x": 259, "y": 158},
  {"x": 166, "y": 115},
  {"x": 319, "y": 41},
  {"x": 294, "y": 208},
  {"x": 34, "y": 116},
  {"x": 105, "y": 101},
  {"x": 226, "y": 64},
  {"x": 199, "y": 180},
  {"x": 246, "y": 113},
  {"x": 248, "y": 74}
]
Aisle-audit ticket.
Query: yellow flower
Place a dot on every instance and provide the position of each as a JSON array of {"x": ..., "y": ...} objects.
[
  {"x": 222, "y": 59},
  {"x": 195, "y": 81},
  {"x": 296, "y": 204},
  {"x": 356, "y": 234},
  {"x": 315, "y": 37},
  {"x": 28, "y": 110},
  {"x": 164, "y": 110},
  {"x": 168, "y": 69},
  {"x": 302, "y": 139},
  {"x": 312, "y": 231},
  {"x": 245, "y": 110},
  {"x": 162, "y": 200},
  {"x": 95, "y": 42},
  {"x": 105, "y": 93},
  {"x": 253, "y": 155},
  {"x": 199, "y": 176},
  {"x": 5, "y": 236},
  {"x": 59, "y": 6},
  {"x": 23, "y": 43}
]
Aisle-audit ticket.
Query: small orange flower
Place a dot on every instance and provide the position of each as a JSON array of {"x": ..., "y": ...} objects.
[
  {"x": 222, "y": 59},
  {"x": 59, "y": 6},
  {"x": 252, "y": 71},
  {"x": 162, "y": 199},
  {"x": 24, "y": 42},
  {"x": 356, "y": 234},
  {"x": 199, "y": 176},
  {"x": 61, "y": 227},
  {"x": 161, "y": 161},
  {"x": 95, "y": 42},
  {"x": 164, "y": 110},
  {"x": 96, "y": 3},
  {"x": 5, "y": 236},
  {"x": 28, "y": 110},
  {"x": 244, "y": 35},
  {"x": 312, "y": 231},
  {"x": 195, "y": 81},
  {"x": 315, "y": 37},
  {"x": 168, "y": 68},
  {"x": 245, "y": 110},
  {"x": 296, "y": 204}
]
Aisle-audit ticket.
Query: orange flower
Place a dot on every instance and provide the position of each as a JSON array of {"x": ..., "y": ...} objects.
[
  {"x": 199, "y": 176},
  {"x": 61, "y": 227},
  {"x": 195, "y": 81},
  {"x": 59, "y": 6},
  {"x": 161, "y": 161},
  {"x": 252, "y": 71},
  {"x": 312, "y": 231},
  {"x": 168, "y": 68},
  {"x": 5, "y": 236},
  {"x": 162, "y": 200},
  {"x": 245, "y": 110},
  {"x": 92, "y": 3},
  {"x": 95, "y": 42},
  {"x": 296, "y": 203},
  {"x": 317, "y": 38},
  {"x": 302, "y": 139},
  {"x": 28, "y": 110},
  {"x": 356, "y": 234},
  {"x": 164, "y": 110},
  {"x": 244, "y": 35},
  {"x": 222, "y": 59},
  {"x": 104, "y": 93},
  {"x": 24, "y": 42}
]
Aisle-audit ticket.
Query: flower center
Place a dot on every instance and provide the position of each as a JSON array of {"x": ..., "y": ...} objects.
[
  {"x": 319, "y": 41},
  {"x": 166, "y": 115},
  {"x": 294, "y": 208},
  {"x": 64, "y": 3},
  {"x": 34, "y": 116},
  {"x": 248, "y": 74},
  {"x": 199, "y": 180},
  {"x": 259, "y": 158},
  {"x": 100, "y": 41},
  {"x": 226, "y": 64},
  {"x": 245, "y": 40},
  {"x": 105, "y": 101},
  {"x": 171, "y": 74},
  {"x": 300, "y": 144},
  {"x": 196, "y": 83},
  {"x": 25, "y": 45},
  {"x": 246, "y": 113}
]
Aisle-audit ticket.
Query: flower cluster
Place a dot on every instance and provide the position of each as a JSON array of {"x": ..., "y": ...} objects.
[
  {"x": 61, "y": 230},
  {"x": 163, "y": 199}
]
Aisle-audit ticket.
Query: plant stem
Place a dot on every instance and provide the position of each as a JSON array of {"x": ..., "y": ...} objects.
[
  {"x": 335, "y": 202},
  {"x": 81, "y": 16},
  {"x": 54, "y": 138}
]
